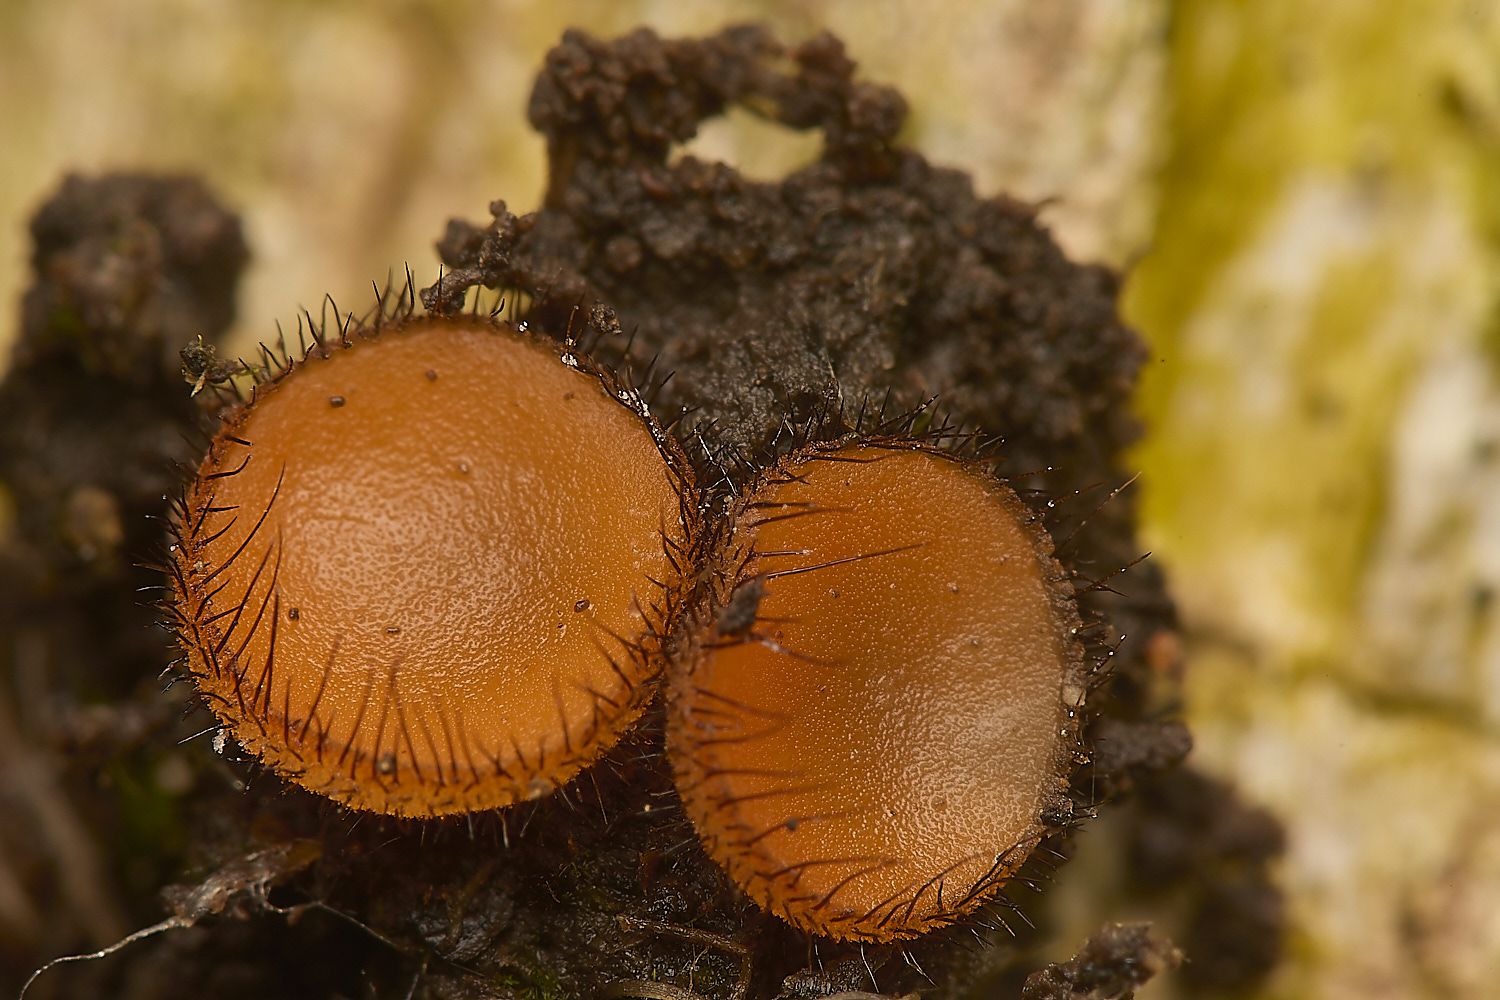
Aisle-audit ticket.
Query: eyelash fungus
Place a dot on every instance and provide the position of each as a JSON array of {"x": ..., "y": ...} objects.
[
  {"x": 870, "y": 273},
  {"x": 427, "y": 569},
  {"x": 873, "y": 720}
]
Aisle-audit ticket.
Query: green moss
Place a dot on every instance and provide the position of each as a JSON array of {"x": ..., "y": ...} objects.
[
  {"x": 1276, "y": 102},
  {"x": 533, "y": 983},
  {"x": 1330, "y": 221}
]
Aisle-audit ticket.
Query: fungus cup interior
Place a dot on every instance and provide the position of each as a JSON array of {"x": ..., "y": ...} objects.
[
  {"x": 428, "y": 573},
  {"x": 869, "y": 750}
]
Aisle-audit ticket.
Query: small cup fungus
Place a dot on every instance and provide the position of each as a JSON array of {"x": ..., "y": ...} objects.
[
  {"x": 872, "y": 726},
  {"x": 428, "y": 569}
]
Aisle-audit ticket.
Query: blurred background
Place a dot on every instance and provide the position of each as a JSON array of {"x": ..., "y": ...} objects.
[{"x": 1305, "y": 197}]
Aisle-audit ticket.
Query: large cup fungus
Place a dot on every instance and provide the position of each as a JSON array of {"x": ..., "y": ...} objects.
[
  {"x": 873, "y": 724},
  {"x": 428, "y": 570}
]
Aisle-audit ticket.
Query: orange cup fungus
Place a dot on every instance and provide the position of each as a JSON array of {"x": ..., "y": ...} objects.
[
  {"x": 428, "y": 569},
  {"x": 870, "y": 729}
]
